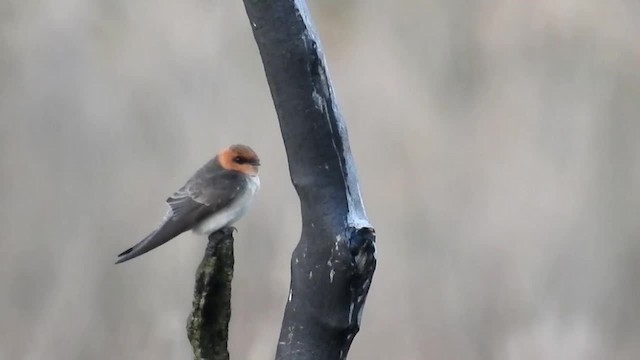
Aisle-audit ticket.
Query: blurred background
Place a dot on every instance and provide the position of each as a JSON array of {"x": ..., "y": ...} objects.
[{"x": 496, "y": 143}]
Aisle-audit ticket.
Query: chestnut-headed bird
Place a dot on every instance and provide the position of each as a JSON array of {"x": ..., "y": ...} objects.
[{"x": 217, "y": 195}]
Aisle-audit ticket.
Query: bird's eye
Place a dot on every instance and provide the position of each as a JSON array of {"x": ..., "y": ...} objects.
[{"x": 239, "y": 160}]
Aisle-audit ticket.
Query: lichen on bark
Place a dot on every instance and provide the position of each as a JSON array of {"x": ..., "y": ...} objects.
[{"x": 208, "y": 323}]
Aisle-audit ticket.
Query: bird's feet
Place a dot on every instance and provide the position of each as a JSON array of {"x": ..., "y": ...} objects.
[
  {"x": 223, "y": 233},
  {"x": 229, "y": 230}
]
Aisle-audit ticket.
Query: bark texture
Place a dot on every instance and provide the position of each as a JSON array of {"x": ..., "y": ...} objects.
[
  {"x": 208, "y": 323},
  {"x": 333, "y": 264}
]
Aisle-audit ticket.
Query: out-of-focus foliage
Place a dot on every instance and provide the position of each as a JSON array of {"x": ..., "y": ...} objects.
[{"x": 496, "y": 143}]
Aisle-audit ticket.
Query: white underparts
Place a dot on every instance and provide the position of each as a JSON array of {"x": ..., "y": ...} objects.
[{"x": 232, "y": 213}]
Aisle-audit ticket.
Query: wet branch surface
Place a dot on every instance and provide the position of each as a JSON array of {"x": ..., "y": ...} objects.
[{"x": 334, "y": 261}]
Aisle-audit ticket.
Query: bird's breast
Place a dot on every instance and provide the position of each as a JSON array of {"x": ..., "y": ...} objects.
[{"x": 232, "y": 213}]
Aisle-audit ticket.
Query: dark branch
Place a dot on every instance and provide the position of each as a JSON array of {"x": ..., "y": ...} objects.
[
  {"x": 333, "y": 264},
  {"x": 208, "y": 324}
]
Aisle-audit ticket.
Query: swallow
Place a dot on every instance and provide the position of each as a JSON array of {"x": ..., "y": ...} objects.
[{"x": 216, "y": 196}]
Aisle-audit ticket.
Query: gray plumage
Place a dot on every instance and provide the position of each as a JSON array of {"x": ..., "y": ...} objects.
[{"x": 211, "y": 199}]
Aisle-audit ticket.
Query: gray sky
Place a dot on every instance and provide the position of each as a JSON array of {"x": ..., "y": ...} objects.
[{"x": 496, "y": 143}]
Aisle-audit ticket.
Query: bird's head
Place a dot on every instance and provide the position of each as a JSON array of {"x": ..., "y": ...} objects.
[{"x": 240, "y": 158}]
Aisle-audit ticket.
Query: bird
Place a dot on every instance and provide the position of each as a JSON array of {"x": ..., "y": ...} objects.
[{"x": 216, "y": 196}]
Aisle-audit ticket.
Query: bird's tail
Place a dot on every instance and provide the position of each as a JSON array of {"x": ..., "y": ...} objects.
[{"x": 158, "y": 237}]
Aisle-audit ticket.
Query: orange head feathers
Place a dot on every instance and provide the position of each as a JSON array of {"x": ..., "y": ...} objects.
[
  {"x": 216, "y": 196},
  {"x": 239, "y": 158}
]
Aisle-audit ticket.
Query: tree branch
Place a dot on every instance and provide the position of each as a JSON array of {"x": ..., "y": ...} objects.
[
  {"x": 208, "y": 323},
  {"x": 333, "y": 264}
]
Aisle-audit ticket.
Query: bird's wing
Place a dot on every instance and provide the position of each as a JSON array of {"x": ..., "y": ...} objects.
[
  {"x": 189, "y": 205},
  {"x": 198, "y": 199}
]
